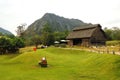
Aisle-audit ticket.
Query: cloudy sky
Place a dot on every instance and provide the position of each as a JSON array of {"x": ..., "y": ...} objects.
[{"x": 15, "y": 12}]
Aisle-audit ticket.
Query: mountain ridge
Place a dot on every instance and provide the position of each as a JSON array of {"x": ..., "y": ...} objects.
[
  {"x": 4, "y": 31},
  {"x": 56, "y": 23}
]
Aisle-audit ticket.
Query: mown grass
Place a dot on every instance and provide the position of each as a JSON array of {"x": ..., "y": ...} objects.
[{"x": 63, "y": 64}]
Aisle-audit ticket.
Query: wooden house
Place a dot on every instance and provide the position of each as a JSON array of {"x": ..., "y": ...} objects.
[{"x": 88, "y": 35}]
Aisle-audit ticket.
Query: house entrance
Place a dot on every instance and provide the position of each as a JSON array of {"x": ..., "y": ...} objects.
[{"x": 77, "y": 42}]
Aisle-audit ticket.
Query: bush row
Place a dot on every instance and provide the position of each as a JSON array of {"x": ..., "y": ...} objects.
[{"x": 10, "y": 45}]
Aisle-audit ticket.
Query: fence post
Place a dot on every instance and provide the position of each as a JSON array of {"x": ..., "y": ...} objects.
[
  {"x": 98, "y": 51},
  {"x": 107, "y": 51},
  {"x": 103, "y": 51},
  {"x": 113, "y": 52}
]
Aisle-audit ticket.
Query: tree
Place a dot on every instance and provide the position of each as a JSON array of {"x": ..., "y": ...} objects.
[
  {"x": 18, "y": 42},
  {"x": 37, "y": 40},
  {"x": 10, "y": 45},
  {"x": 60, "y": 35},
  {"x": 113, "y": 33},
  {"x": 4, "y": 44},
  {"x": 20, "y": 29},
  {"x": 47, "y": 37},
  {"x": 108, "y": 33}
]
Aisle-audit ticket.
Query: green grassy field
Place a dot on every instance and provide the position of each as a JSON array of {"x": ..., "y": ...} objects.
[{"x": 63, "y": 64}]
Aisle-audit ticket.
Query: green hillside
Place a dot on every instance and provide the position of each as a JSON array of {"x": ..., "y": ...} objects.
[{"x": 64, "y": 64}]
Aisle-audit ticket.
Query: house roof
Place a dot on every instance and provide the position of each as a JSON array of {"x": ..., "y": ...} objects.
[
  {"x": 89, "y": 26},
  {"x": 83, "y": 32}
]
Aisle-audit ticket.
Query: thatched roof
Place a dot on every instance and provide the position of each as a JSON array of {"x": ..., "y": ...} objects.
[
  {"x": 89, "y": 26},
  {"x": 83, "y": 32}
]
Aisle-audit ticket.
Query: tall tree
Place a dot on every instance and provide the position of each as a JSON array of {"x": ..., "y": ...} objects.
[
  {"x": 37, "y": 40},
  {"x": 20, "y": 29},
  {"x": 47, "y": 35},
  {"x": 108, "y": 33}
]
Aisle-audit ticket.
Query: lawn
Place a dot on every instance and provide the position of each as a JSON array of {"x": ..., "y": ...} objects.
[{"x": 63, "y": 64}]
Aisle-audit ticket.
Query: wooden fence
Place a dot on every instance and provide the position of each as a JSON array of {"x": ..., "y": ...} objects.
[{"x": 108, "y": 50}]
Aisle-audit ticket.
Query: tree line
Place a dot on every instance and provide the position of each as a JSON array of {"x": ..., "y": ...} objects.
[
  {"x": 46, "y": 37},
  {"x": 112, "y": 33}
]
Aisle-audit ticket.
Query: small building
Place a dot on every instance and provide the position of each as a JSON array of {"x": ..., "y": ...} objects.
[{"x": 89, "y": 35}]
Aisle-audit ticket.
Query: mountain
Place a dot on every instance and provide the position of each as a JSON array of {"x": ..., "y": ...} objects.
[
  {"x": 56, "y": 23},
  {"x": 3, "y": 31}
]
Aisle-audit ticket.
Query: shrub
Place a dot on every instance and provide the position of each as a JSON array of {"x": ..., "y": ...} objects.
[
  {"x": 56, "y": 45},
  {"x": 113, "y": 43},
  {"x": 10, "y": 45},
  {"x": 63, "y": 45}
]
